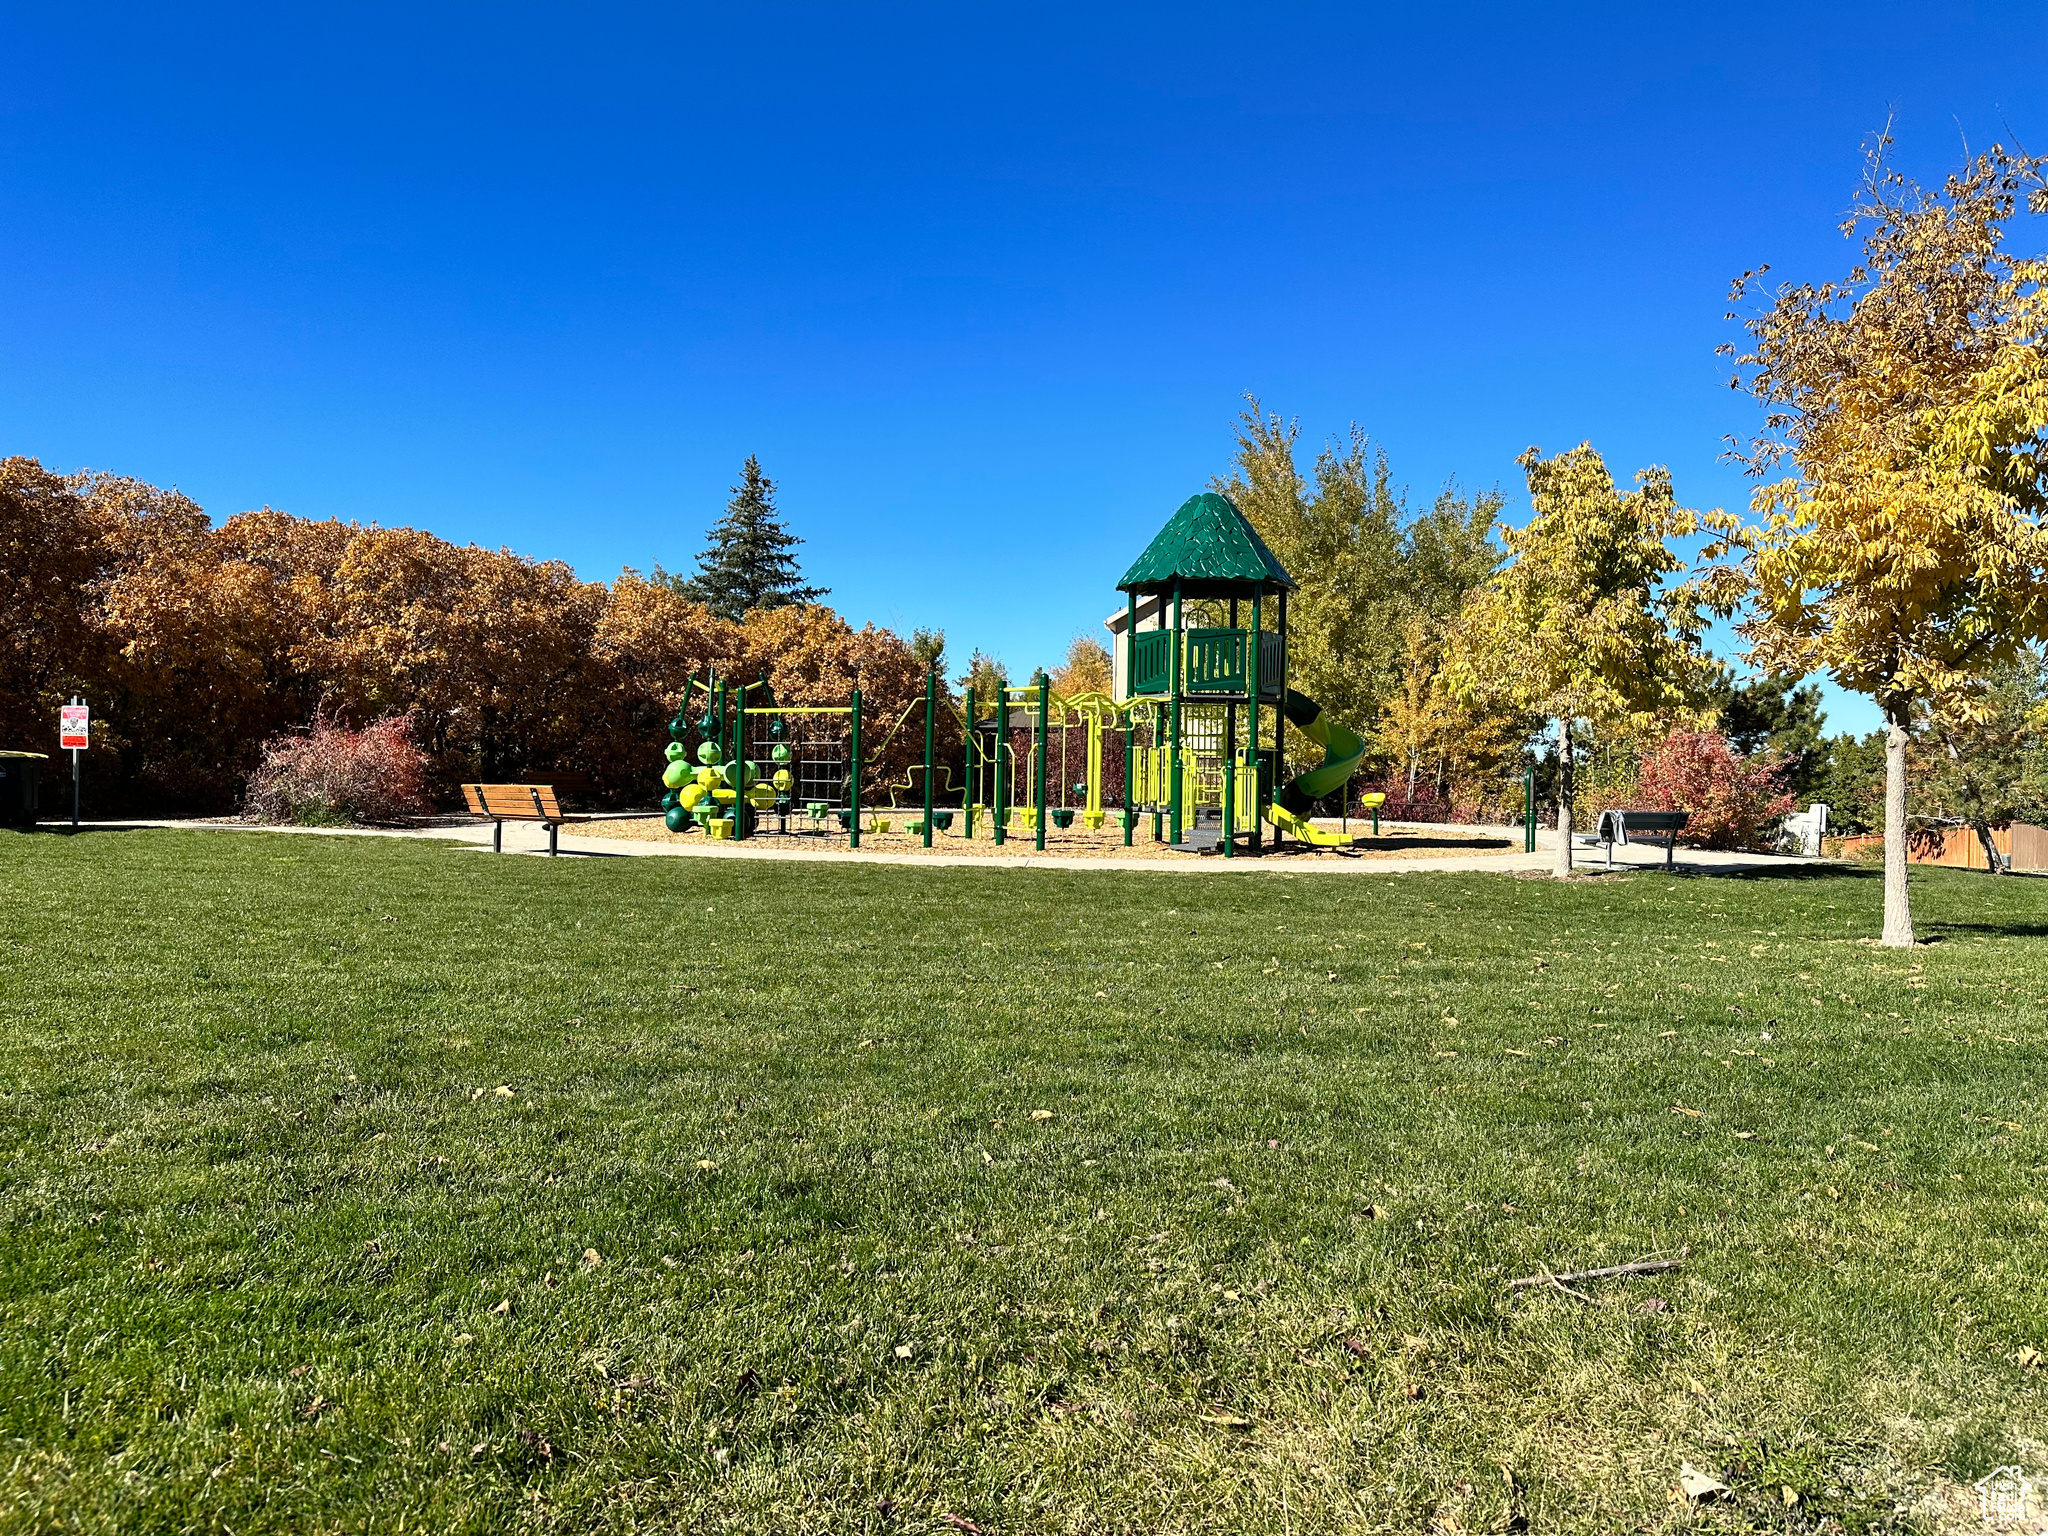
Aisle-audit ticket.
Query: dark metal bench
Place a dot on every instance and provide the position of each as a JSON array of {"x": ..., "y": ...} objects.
[{"x": 1625, "y": 826}]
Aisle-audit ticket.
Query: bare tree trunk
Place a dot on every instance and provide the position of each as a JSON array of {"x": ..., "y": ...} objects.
[
  {"x": 1978, "y": 824},
  {"x": 1414, "y": 764},
  {"x": 1992, "y": 859},
  {"x": 1898, "y": 913},
  {"x": 1564, "y": 797}
]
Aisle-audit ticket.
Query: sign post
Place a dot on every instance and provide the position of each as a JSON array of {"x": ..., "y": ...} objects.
[{"x": 74, "y": 733}]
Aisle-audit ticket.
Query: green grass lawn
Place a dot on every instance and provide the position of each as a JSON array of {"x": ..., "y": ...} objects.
[{"x": 355, "y": 1184}]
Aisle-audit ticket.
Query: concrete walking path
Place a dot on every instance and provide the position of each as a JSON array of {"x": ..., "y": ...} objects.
[{"x": 525, "y": 838}]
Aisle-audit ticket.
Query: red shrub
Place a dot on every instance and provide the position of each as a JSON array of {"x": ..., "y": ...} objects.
[
  {"x": 332, "y": 776},
  {"x": 1733, "y": 800}
]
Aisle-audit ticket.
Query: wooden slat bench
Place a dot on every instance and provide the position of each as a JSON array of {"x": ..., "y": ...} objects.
[{"x": 515, "y": 802}]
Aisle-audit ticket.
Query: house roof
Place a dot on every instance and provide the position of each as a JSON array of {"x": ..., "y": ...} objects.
[{"x": 1209, "y": 548}]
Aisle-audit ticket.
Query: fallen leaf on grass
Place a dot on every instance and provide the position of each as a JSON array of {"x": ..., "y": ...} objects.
[
  {"x": 1511, "y": 1051},
  {"x": 502, "y": 1091},
  {"x": 315, "y": 1408},
  {"x": 1376, "y": 1213},
  {"x": 962, "y": 1523},
  {"x": 503, "y": 1308},
  {"x": 1696, "y": 1485},
  {"x": 902, "y": 1351},
  {"x": 1041, "y": 1114},
  {"x": 592, "y": 1258},
  {"x": 1743, "y": 1135},
  {"x": 2028, "y": 1359},
  {"x": 1653, "y": 1304},
  {"x": 1680, "y": 1109},
  {"x": 1227, "y": 1420},
  {"x": 707, "y": 1165}
]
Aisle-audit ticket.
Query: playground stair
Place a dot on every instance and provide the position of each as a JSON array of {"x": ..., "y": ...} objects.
[{"x": 1202, "y": 834}]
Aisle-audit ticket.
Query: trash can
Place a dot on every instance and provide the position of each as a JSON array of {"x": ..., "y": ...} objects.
[{"x": 20, "y": 776}]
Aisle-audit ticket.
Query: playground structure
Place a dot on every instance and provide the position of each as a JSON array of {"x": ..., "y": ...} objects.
[
  {"x": 1199, "y": 719},
  {"x": 752, "y": 763},
  {"x": 1211, "y": 773}
]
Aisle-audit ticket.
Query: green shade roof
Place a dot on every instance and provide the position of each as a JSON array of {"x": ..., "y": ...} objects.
[{"x": 1210, "y": 549}]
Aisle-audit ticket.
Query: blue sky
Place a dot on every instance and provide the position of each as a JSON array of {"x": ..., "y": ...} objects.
[{"x": 981, "y": 286}]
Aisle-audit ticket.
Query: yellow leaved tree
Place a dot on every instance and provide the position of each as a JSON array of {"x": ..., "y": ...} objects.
[
  {"x": 1580, "y": 624},
  {"x": 1416, "y": 723},
  {"x": 1908, "y": 557}
]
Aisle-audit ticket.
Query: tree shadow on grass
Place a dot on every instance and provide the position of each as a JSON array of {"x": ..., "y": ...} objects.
[
  {"x": 1794, "y": 872},
  {"x": 1933, "y": 932},
  {"x": 83, "y": 829}
]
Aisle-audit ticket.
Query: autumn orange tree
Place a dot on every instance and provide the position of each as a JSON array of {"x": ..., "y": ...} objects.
[
  {"x": 53, "y": 554},
  {"x": 1582, "y": 623},
  {"x": 1086, "y": 669},
  {"x": 199, "y": 643},
  {"x": 1907, "y": 556}
]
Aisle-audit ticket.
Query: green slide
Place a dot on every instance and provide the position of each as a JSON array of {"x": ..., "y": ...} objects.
[{"x": 1342, "y": 752}]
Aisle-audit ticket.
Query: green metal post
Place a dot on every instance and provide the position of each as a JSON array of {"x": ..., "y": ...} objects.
[
  {"x": 1280, "y": 713},
  {"x": 931, "y": 700},
  {"x": 1230, "y": 806},
  {"x": 1002, "y": 805},
  {"x": 1174, "y": 807},
  {"x": 853, "y": 786},
  {"x": 1158, "y": 613},
  {"x": 1130, "y": 643},
  {"x": 1254, "y": 685},
  {"x": 739, "y": 757},
  {"x": 1128, "y": 816},
  {"x": 967, "y": 774},
  {"x": 1529, "y": 811},
  {"x": 1044, "y": 709}
]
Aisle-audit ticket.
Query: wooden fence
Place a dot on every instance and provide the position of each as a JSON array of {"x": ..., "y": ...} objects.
[{"x": 2021, "y": 844}]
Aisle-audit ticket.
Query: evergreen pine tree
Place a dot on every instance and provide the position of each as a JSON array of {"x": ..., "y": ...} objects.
[{"x": 750, "y": 562}]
